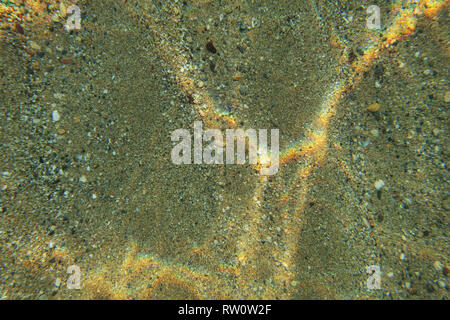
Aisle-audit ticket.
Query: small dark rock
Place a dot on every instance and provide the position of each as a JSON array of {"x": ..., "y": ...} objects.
[{"x": 210, "y": 47}]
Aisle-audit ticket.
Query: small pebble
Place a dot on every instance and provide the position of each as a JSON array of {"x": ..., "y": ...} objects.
[
  {"x": 55, "y": 115},
  {"x": 210, "y": 47},
  {"x": 379, "y": 184},
  {"x": 374, "y": 107}
]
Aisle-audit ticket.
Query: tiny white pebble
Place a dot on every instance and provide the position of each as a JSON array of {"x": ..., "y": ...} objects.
[
  {"x": 379, "y": 184},
  {"x": 83, "y": 179},
  {"x": 55, "y": 115},
  {"x": 402, "y": 256},
  {"x": 94, "y": 196}
]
